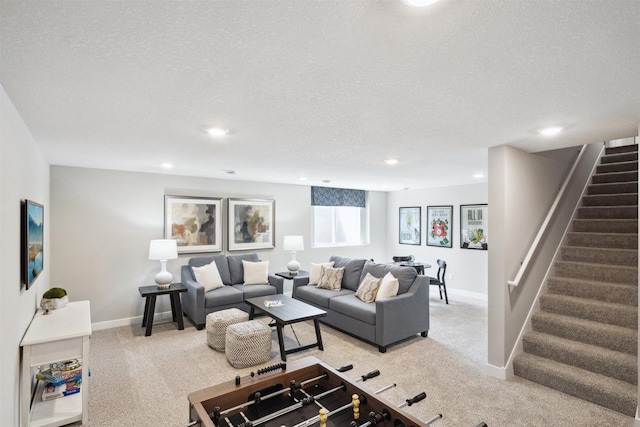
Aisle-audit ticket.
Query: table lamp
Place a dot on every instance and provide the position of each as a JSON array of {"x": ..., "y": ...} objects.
[
  {"x": 293, "y": 244},
  {"x": 163, "y": 250}
]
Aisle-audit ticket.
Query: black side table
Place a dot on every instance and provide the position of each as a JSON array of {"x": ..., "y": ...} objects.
[
  {"x": 150, "y": 293},
  {"x": 286, "y": 275}
]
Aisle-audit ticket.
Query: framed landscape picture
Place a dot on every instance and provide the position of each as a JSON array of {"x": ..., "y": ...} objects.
[
  {"x": 194, "y": 222},
  {"x": 33, "y": 241},
  {"x": 474, "y": 226},
  {"x": 251, "y": 224},
  {"x": 440, "y": 223},
  {"x": 409, "y": 227}
]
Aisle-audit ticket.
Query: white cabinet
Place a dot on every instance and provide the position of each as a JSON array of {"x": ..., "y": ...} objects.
[{"x": 62, "y": 334}]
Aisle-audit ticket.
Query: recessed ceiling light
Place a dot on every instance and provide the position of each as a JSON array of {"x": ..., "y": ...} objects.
[
  {"x": 550, "y": 131},
  {"x": 167, "y": 165},
  {"x": 478, "y": 175},
  {"x": 419, "y": 3},
  {"x": 230, "y": 172},
  {"x": 326, "y": 181},
  {"x": 217, "y": 131},
  {"x": 302, "y": 178},
  {"x": 391, "y": 161}
]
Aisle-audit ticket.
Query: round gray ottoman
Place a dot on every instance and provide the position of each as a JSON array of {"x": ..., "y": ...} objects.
[
  {"x": 218, "y": 322},
  {"x": 248, "y": 344}
]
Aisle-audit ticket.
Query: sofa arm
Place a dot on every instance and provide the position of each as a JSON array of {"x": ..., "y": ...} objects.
[
  {"x": 278, "y": 282},
  {"x": 404, "y": 315},
  {"x": 193, "y": 299},
  {"x": 297, "y": 282}
]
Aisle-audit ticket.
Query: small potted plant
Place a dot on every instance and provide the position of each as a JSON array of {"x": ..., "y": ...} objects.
[{"x": 53, "y": 299}]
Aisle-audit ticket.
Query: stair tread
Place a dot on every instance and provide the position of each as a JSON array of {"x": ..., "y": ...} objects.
[
  {"x": 592, "y": 325},
  {"x": 597, "y": 264},
  {"x": 600, "y": 249},
  {"x": 600, "y": 233},
  {"x": 592, "y": 282},
  {"x": 587, "y": 301}
]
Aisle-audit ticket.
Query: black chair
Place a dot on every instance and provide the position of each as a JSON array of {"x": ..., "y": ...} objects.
[{"x": 439, "y": 280}]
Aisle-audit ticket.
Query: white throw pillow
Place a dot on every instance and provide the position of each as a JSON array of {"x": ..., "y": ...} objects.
[
  {"x": 314, "y": 276},
  {"x": 388, "y": 287},
  {"x": 256, "y": 273},
  {"x": 208, "y": 276}
]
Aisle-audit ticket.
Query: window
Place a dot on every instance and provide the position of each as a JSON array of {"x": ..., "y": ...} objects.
[{"x": 336, "y": 222}]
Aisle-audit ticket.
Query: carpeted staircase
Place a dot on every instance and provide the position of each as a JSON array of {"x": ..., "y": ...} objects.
[{"x": 584, "y": 339}]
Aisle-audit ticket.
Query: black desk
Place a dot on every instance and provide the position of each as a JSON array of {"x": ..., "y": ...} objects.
[{"x": 150, "y": 293}]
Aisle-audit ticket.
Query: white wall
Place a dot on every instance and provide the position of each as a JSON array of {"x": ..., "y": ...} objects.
[
  {"x": 24, "y": 174},
  {"x": 102, "y": 222},
  {"x": 466, "y": 268}
]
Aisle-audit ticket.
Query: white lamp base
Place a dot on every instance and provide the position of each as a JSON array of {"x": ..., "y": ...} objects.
[
  {"x": 293, "y": 266},
  {"x": 164, "y": 278}
]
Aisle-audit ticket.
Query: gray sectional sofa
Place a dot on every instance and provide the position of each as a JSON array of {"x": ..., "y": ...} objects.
[
  {"x": 196, "y": 304},
  {"x": 383, "y": 322}
]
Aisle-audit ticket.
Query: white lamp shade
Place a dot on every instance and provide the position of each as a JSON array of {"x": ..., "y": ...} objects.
[
  {"x": 293, "y": 243},
  {"x": 163, "y": 249}
]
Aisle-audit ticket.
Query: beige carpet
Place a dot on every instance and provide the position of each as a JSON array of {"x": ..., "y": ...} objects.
[{"x": 144, "y": 381}]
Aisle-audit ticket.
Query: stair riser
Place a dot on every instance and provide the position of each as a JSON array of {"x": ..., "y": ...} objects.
[
  {"x": 613, "y": 368},
  {"x": 623, "y": 340},
  {"x": 598, "y": 272},
  {"x": 611, "y": 200},
  {"x": 621, "y": 315},
  {"x": 614, "y": 177},
  {"x": 624, "y": 212},
  {"x": 614, "y": 241},
  {"x": 598, "y": 255},
  {"x": 613, "y": 293},
  {"x": 613, "y": 188},
  {"x": 605, "y": 226},
  {"x": 627, "y": 407},
  {"x": 621, "y": 149},
  {"x": 617, "y": 167},
  {"x": 619, "y": 157}
]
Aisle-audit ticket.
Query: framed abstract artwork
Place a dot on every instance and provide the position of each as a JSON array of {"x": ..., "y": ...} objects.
[
  {"x": 409, "y": 227},
  {"x": 440, "y": 223},
  {"x": 194, "y": 222},
  {"x": 251, "y": 224},
  {"x": 33, "y": 241},
  {"x": 474, "y": 226}
]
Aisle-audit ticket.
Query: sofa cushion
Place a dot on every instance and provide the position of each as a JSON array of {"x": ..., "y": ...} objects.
[
  {"x": 368, "y": 288},
  {"x": 352, "y": 270},
  {"x": 208, "y": 276},
  {"x": 319, "y": 297},
  {"x": 235, "y": 267},
  {"x": 330, "y": 278},
  {"x": 255, "y": 273},
  {"x": 405, "y": 275},
  {"x": 222, "y": 296},
  {"x": 256, "y": 290},
  {"x": 221, "y": 263},
  {"x": 351, "y": 306}
]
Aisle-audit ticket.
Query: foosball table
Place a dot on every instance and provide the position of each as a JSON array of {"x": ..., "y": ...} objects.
[{"x": 301, "y": 393}]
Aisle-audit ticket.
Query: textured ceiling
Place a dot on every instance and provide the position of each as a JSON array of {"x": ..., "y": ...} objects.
[{"x": 324, "y": 89}]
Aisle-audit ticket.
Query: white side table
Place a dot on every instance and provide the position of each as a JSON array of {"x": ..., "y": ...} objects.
[{"x": 61, "y": 335}]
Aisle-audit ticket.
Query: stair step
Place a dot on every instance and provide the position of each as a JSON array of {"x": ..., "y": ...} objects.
[
  {"x": 601, "y": 178},
  {"x": 606, "y": 225},
  {"x": 613, "y": 364},
  {"x": 597, "y": 311},
  {"x": 617, "y": 293},
  {"x": 599, "y": 389},
  {"x": 612, "y": 337},
  {"x": 621, "y": 199},
  {"x": 621, "y": 149},
  {"x": 619, "y": 157},
  {"x": 612, "y": 256},
  {"x": 613, "y": 188},
  {"x": 617, "y": 167},
  {"x": 603, "y": 240},
  {"x": 608, "y": 212},
  {"x": 597, "y": 272}
]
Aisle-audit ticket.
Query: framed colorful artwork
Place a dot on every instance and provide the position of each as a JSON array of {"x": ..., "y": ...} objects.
[
  {"x": 409, "y": 227},
  {"x": 194, "y": 222},
  {"x": 251, "y": 224},
  {"x": 474, "y": 226},
  {"x": 440, "y": 223},
  {"x": 33, "y": 241}
]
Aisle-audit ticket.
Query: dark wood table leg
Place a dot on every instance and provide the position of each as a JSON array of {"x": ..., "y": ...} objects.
[
  {"x": 283, "y": 354},
  {"x": 318, "y": 336},
  {"x": 176, "y": 308},
  {"x": 252, "y": 312},
  {"x": 149, "y": 313},
  {"x": 146, "y": 310}
]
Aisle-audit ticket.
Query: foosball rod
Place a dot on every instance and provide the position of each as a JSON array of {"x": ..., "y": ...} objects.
[
  {"x": 275, "y": 393},
  {"x": 434, "y": 419},
  {"x": 316, "y": 418},
  {"x": 385, "y": 388},
  {"x": 368, "y": 375},
  {"x": 415, "y": 399}
]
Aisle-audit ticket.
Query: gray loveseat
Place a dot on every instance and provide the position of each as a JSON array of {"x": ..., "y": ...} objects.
[
  {"x": 382, "y": 322},
  {"x": 196, "y": 304}
]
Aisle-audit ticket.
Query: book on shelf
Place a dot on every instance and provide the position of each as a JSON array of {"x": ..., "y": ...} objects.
[
  {"x": 54, "y": 392},
  {"x": 61, "y": 372},
  {"x": 273, "y": 303}
]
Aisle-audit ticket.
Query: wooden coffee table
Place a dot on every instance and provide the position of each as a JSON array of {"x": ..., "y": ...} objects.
[{"x": 291, "y": 311}]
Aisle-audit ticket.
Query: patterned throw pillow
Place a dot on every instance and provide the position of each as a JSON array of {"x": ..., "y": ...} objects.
[
  {"x": 314, "y": 275},
  {"x": 388, "y": 287},
  {"x": 368, "y": 288},
  {"x": 330, "y": 278}
]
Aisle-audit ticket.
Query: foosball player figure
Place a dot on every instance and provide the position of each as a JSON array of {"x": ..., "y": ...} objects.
[
  {"x": 356, "y": 406},
  {"x": 323, "y": 417}
]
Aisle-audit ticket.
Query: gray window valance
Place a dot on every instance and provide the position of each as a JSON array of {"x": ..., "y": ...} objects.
[{"x": 325, "y": 196}]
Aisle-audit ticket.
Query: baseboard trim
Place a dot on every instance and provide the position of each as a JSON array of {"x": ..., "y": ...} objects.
[
  {"x": 137, "y": 320},
  {"x": 464, "y": 296},
  {"x": 502, "y": 373}
]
